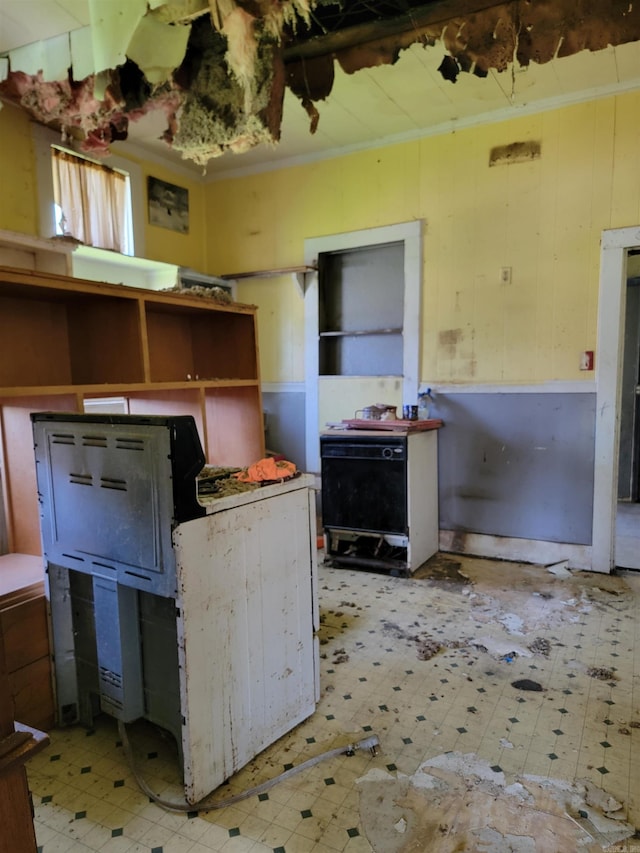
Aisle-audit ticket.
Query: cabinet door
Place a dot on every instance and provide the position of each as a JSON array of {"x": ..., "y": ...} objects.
[{"x": 245, "y": 633}]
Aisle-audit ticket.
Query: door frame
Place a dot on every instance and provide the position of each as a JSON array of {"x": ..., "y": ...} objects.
[
  {"x": 410, "y": 233},
  {"x": 615, "y": 244}
]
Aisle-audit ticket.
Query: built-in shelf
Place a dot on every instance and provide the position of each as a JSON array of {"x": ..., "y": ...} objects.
[
  {"x": 64, "y": 340},
  {"x": 355, "y": 333}
]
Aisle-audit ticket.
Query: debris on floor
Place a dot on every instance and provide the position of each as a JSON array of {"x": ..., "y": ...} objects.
[
  {"x": 457, "y": 802},
  {"x": 426, "y": 710},
  {"x": 602, "y": 673},
  {"x": 540, "y": 646},
  {"x": 560, "y": 570},
  {"x": 527, "y": 684},
  {"x": 445, "y": 571},
  {"x": 499, "y": 648},
  {"x": 428, "y": 648}
]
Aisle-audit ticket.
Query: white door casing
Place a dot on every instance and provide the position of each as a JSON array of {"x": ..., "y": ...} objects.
[{"x": 609, "y": 359}]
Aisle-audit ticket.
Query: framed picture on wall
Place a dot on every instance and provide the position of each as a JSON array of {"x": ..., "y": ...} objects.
[{"x": 168, "y": 205}]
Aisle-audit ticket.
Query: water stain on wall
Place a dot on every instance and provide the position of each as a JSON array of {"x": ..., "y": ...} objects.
[{"x": 448, "y": 340}]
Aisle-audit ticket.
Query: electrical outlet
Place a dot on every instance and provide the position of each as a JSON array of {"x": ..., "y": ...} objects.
[
  {"x": 505, "y": 275},
  {"x": 586, "y": 360}
]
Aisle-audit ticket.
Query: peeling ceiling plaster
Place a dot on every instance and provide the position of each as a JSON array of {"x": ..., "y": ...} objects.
[{"x": 217, "y": 69}]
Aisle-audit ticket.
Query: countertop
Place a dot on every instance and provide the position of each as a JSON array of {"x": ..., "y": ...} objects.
[{"x": 371, "y": 427}]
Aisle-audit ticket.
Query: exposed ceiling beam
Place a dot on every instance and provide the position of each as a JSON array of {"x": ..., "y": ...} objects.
[
  {"x": 435, "y": 12},
  {"x": 439, "y": 11}
]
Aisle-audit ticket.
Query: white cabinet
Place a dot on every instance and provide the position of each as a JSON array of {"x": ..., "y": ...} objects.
[{"x": 247, "y": 616}]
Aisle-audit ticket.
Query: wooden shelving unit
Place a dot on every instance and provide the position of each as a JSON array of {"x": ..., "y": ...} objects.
[{"x": 64, "y": 341}]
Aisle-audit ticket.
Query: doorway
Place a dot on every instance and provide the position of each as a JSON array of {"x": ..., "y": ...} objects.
[
  {"x": 616, "y": 524},
  {"x": 627, "y": 541}
]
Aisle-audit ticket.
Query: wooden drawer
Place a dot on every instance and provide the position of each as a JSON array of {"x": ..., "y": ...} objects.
[
  {"x": 25, "y": 636},
  {"x": 25, "y": 633},
  {"x": 33, "y": 695}
]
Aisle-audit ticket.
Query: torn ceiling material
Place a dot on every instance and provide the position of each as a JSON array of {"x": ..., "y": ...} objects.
[
  {"x": 218, "y": 68},
  {"x": 218, "y": 77},
  {"x": 221, "y": 111}
]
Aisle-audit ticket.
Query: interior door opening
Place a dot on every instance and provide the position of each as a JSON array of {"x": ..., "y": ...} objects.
[{"x": 627, "y": 523}]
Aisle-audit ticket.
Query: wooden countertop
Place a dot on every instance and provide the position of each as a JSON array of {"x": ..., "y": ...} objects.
[
  {"x": 21, "y": 578},
  {"x": 18, "y": 746},
  {"x": 404, "y": 426}
]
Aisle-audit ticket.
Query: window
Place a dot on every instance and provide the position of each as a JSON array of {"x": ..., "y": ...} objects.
[{"x": 93, "y": 202}]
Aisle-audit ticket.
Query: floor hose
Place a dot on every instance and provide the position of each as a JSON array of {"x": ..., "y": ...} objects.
[{"x": 372, "y": 743}]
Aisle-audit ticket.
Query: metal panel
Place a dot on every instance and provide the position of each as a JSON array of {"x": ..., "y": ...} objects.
[
  {"x": 422, "y": 496},
  {"x": 517, "y": 465},
  {"x": 74, "y": 628},
  {"x": 159, "y": 643},
  {"x": 245, "y": 633},
  {"x": 107, "y": 489},
  {"x": 118, "y": 649}
]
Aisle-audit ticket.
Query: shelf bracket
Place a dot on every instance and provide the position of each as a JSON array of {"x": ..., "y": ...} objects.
[{"x": 302, "y": 279}]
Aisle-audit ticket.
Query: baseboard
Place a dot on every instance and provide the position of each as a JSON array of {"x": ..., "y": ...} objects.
[{"x": 517, "y": 550}]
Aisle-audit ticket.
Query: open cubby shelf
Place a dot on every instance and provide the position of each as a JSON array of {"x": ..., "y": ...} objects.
[{"x": 65, "y": 340}]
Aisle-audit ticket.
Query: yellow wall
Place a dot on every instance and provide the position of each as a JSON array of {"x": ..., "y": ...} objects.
[
  {"x": 543, "y": 219},
  {"x": 19, "y": 205},
  {"x": 280, "y": 319},
  {"x": 19, "y": 200},
  {"x": 162, "y": 244}
]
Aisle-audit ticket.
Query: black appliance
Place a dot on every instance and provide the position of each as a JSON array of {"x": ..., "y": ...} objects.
[
  {"x": 364, "y": 483},
  {"x": 380, "y": 498},
  {"x": 364, "y": 499}
]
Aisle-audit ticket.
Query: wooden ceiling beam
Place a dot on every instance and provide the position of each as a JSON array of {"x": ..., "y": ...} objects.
[{"x": 439, "y": 11}]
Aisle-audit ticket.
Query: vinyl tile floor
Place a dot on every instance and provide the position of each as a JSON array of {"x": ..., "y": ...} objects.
[{"x": 428, "y": 664}]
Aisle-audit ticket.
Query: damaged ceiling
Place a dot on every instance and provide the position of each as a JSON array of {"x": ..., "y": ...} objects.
[{"x": 269, "y": 79}]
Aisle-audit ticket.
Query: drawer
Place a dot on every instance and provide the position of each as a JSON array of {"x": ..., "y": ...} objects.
[
  {"x": 33, "y": 695},
  {"x": 25, "y": 633}
]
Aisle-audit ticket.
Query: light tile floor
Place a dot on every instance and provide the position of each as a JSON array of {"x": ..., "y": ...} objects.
[{"x": 377, "y": 675}]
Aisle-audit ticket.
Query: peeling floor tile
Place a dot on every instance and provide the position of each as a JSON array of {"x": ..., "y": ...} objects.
[
  {"x": 428, "y": 664},
  {"x": 456, "y": 802}
]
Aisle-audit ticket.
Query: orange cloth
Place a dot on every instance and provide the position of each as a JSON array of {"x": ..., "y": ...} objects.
[{"x": 266, "y": 469}]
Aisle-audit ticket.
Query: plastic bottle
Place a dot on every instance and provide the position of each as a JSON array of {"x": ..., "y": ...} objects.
[{"x": 424, "y": 403}]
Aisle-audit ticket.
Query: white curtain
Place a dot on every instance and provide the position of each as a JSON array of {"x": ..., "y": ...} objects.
[{"x": 94, "y": 200}]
